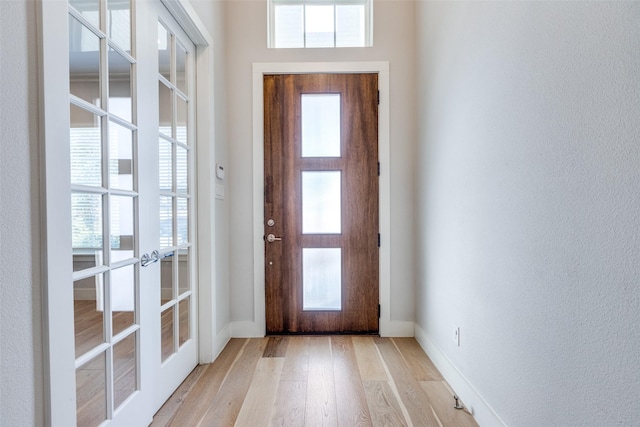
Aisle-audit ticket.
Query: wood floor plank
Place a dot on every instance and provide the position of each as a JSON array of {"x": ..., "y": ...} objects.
[
  {"x": 383, "y": 405},
  {"x": 290, "y": 404},
  {"x": 350, "y": 396},
  {"x": 165, "y": 415},
  {"x": 225, "y": 406},
  {"x": 320, "y": 408},
  {"x": 369, "y": 363},
  {"x": 319, "y": 382},
  {"x": 411, "y": 394},
  {"x": 422, "y": 367},
  {"x": 258, "y": 404},
  {"x": 182, "y": 406},
  {"x": 276, "y": 347},
  {"x": 442, "y": 401},
  {"x": 296, "y": 366}
]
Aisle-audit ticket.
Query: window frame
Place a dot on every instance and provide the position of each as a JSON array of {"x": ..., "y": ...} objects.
[{"x": 368, "y": 20}]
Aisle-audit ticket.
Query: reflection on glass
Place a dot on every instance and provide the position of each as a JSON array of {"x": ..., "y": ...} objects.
[
  {"x": 86, "y": 147},
  {"x": 166, "y": 222},
  {"x": 119, "y": 85},
  {"x": 319, "y": 26},
  {"x": 120, "y": 157},
  {"x": 91, "y": 402},
  {"x": 183, "y": 220},
  {"x": 181, "y": 68},
  {"x": 122, "y": 232},
  {"x": 321, "y": 202},
  {"x": 350, "y": 25},
  {"x": 165, "y": 169},
  {"x": 119, "y": 22},
  {"x": 183, "y": 330},
  {"x": 84, "y": 62},
  {"x": 166, "y": 277},
  {"x": 88, "y": 319},
  {"x": 164, "y": 109},
  {"x": 321, "y": 125},
  {"x": 124, "y": 369},
  {"x": 183, "y": 271},
  {"x": 181, "y": 124},
  {"x": 122, "y": 298},
  {"x": 86, "y": 224},
  {"x": 164, "y": 52},
  {"x": 322, "y": 278},
  {"x": 89, "y": 9},
  {"x": 181, "y": 169},
  {"x": 166, "y": 321},
  {"x": 289, "y": 26}
]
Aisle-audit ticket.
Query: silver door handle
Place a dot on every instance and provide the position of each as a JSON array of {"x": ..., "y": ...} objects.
[
  {"x": 147, "y": 259},
  {"x": 271, "y": 238}
]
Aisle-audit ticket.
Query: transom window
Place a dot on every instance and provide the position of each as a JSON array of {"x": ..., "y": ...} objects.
[{"x": 320, "y": 23}]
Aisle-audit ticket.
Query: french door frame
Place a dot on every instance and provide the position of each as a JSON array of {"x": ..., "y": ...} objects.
[
  {"x": 258, "y": 326},
  {"x": 59, "y": 353}
]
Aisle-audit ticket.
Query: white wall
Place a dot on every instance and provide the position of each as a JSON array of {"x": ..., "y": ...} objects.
[
  {"x": 212, "y": 14},
  {"x": 247, "y": 44},
  {"x": 529, "y": 206},
  {"x": 20, "y": 320}
]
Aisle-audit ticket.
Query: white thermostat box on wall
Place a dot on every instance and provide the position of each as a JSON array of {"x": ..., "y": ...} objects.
[{"x": 220, "y": 172}]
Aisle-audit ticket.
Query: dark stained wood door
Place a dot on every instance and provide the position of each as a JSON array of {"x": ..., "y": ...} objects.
[{"x": 321, "y": 200}]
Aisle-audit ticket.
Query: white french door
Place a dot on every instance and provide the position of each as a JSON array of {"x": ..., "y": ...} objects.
[
  {"x": 120, "y": 204},
  {"x": 175, "y": 85}
]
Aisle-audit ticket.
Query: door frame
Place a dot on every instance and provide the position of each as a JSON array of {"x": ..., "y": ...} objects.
[
  {"x": 58, "y": 348},
  {"x": 258, "y": 327}
]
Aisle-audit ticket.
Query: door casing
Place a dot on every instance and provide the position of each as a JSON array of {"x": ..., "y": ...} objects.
[{"x": 257, "y": 328}]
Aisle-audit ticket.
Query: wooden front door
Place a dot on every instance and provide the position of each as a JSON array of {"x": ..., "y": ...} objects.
[{"x": 321, "y": 203}]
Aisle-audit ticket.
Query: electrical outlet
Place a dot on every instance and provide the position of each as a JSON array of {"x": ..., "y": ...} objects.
[{"x": 456, "y": 335}]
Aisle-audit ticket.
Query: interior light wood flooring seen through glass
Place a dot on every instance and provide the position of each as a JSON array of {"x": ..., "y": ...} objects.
[{"x": 315, "y": 381}]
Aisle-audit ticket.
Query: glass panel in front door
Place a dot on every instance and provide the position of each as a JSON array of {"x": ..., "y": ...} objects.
[
  {"x": 322, "y": 278},
  {"x": 320, "y": 125},
  {"x": 321, "y": 202}
]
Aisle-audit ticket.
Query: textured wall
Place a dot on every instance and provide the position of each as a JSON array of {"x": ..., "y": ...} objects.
[
  {"x": 247, "y": 43},
  {"x": 20, "y": 320},
  {"x": 212, "y": 14},
  {"x": 528, "y": 204}
]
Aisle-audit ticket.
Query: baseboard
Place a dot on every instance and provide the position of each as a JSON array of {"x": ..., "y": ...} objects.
[
  {"x": 220, "y": 341},
  {"x": 481, "y": 410},
  {"x": 397, "y": 329},
  {"x": 246, "y": 329}
]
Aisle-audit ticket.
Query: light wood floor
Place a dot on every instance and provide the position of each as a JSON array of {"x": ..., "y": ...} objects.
[{"x": 315, "y": 381}]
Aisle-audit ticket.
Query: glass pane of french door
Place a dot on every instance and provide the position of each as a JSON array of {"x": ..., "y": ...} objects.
[{"x": 106, "y": 276}]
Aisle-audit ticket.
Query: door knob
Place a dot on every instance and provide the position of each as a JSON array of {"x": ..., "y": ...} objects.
[
  {"x": 149, "y": 259},
  {"x": 271, "y": 238}
]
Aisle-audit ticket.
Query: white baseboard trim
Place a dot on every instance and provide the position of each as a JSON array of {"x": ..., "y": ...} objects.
[
  {"x": 220, "y": 341},
  {"x": 397, "y": 329},
  {"x": 246, "y": 329},
  {"x": 472, "y": 399}
]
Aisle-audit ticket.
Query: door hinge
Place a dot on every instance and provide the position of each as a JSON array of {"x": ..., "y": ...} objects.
[
  {"x": 378, "y": 168},
  {"x": 378, "y": 239},
  {"x": 379, "y": 311},
  {"x": 378, "y": 97}
]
